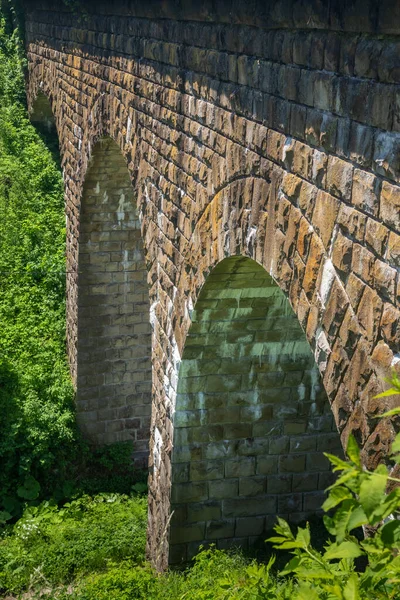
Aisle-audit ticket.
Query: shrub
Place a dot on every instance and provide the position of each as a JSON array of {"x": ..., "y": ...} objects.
[
  {"x": 53, "y": 546},
  {"x": 359, "y": 498}
]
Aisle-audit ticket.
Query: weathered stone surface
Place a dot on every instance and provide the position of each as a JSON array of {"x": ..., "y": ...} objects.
[
  {"x": 390, "y": 205},
  {"x": 270, "y": 132}
]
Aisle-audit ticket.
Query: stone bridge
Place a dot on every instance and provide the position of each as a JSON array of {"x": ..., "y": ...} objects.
[{"x": 231, "y": 173}]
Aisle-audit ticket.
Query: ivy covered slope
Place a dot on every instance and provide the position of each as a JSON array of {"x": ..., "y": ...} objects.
[{"x": 37, "y": 425}]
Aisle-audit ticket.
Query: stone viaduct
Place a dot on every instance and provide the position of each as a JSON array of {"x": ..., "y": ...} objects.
[{"x": 232, "y": 197}]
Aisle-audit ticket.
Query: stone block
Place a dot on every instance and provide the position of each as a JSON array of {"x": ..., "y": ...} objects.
[
  {"x": 342, "y": 253},
  {"x": 303, "y": 443},
  {"x": 249, "y": 526},
  {"x": 385, "y": 279},
  {"x": 266, "y": 465},
  {"x": 294, "y": 427},
  {"x": 206, "y": 511},
  {"x": 325, "y": 215},
  {"x": 279, "y": 484},
  {"x": 189, "y": 492},
  {"x": 240, "y": 467},
  {"x": 386, "y": 156},
  {"x": 339, "y": 178},
  {"x": 279, "y": 445},
  {"x": 187, "y": 533},
  {"x": 393, "y": 249},
  {"x": 317, "y": 462},
  {"x": 366, "y": 190},
  {"x": 249, "y": 507},
  {"x": 390, "y": 205},
  {"x": 206, "y": 470},
  {"x": 220, "y": 529},
  {"x": 251, "y": 486},
  {"x": 313, "y": 501},
  {"x": 305, "y": 482},
  {"x": 224, "y": 488},
  {"x": 290, "y": 503},
  {"x": 293, "y": 463}
]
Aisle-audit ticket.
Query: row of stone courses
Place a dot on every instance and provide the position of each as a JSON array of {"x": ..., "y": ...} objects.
[
  {"x": 364, "y": 100},
  {"x": 368, "y": 16},
  {"x": 353, "y": 55},
  {"x": 368, "y": 147}
]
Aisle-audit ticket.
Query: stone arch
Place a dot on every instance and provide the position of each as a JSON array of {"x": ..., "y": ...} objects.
[
  {"x": 251, "y": 419},
  {"x": 251, "y": 217},
  {"x": 106, "y": 116},
  {"x": 114, "y": 335}
]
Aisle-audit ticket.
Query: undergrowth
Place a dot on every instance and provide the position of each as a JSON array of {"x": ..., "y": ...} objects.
[
  {"x": 41, "y": 452},
  {"x": 93, "y": 549}
]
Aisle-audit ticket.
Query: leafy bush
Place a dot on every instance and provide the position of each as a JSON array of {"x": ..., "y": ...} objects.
[
  {"x": 359, "y": 498},
  {"x": 41, "y": 452},
  {"x": 37, "y": 429},
  {"x": 52, "y": 546}
]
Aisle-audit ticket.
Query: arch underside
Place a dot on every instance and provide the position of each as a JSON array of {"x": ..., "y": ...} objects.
[
  {"x": 252, "y": 418},
  {"x": 114, "y": 334}
]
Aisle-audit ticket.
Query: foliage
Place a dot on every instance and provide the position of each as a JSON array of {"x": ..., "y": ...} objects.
[
  {"x": 359, "y": 498},
  {"x": 50, "y": 545},
  {"x": 41, "y": 453},
  {"x": 98, "y": 545},
  {"x": 38, "y": 431}
]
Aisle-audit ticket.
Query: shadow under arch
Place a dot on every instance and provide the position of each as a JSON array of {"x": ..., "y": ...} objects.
[
  {"x": 42, "y": 117},
  {"x": 114, "y": 332},
  {"x": 252, "y": 419}
]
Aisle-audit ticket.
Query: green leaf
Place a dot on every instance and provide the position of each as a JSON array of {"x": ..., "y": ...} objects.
[
  {"x": 337, "y": 463},
  {"x": 351, "y": 590},
  {"x": 346, "y": 549},
  {"x": 357, "y": 519},
  {"x": 390, "y": 533},
  {"x": 394, "y": 411},
  {"x": 353, "y": 451},
  {"x": 372, "y": 490},
  {"x": 336, "y": 495},
  {"x": 30, "y": 489},
  {"x": 303, "y": 536},
  {"x": 396, "y": 444},
  {"x": 305, "y": 592}
]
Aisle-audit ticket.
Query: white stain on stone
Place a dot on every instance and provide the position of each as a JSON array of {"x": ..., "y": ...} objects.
[
  {"x": 322, "y": 349},
  {"x": 158, "y": 444},
  {"x": 122, "y": 206},
  {"x": 251, "y": 235},
  {"x": 395, "y": 360},
  {"x": 128, "y": 130},
  {"x": 328, "y": 276},
  {"x": 301, "y": 390}
]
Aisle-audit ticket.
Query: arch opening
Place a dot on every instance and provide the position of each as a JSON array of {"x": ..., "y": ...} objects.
[
  {"x": 252, "y": 418},
  {"x": 114, "y": 333},
  {"x": 42, "y": 117}
]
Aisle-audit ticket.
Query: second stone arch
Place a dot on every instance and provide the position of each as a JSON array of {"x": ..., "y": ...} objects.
[
  {"x": 114, "y": 374},
  {"x": 252, "y": 418}
]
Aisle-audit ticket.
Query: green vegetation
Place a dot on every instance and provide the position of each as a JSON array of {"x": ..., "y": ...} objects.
[
  {"x": 93, "y": 549},
  {"x": 41, "y": 453},
  {"x": 37, "y": 427}
]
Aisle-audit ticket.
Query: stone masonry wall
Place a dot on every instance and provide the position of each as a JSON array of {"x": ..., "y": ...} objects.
[
  {"x": 252, "y": 418},
  {"x": 264, "y": 129},
  {"x": 114, "y": 334}
]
